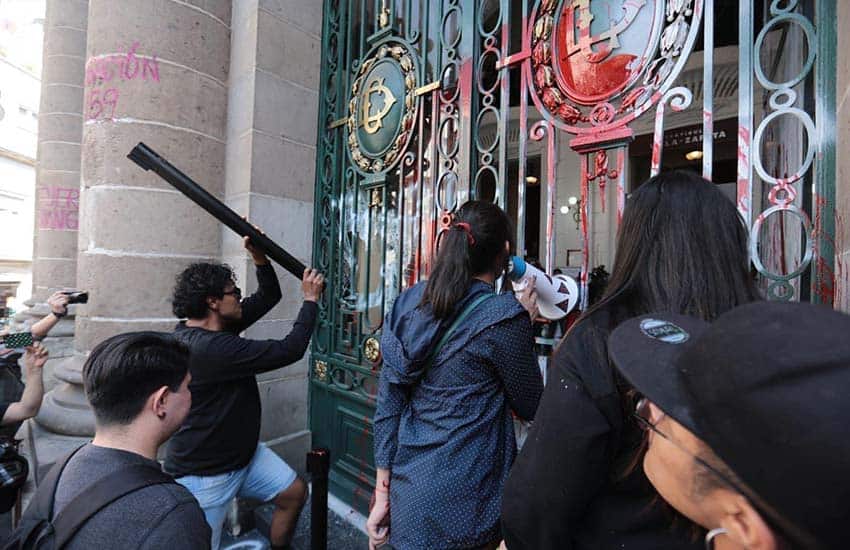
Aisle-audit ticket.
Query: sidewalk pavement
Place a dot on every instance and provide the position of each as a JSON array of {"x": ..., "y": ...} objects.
[{"x": 341, "y": 534}]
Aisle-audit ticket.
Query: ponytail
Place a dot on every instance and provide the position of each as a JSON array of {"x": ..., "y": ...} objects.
[{"x": 473, "y": 245}]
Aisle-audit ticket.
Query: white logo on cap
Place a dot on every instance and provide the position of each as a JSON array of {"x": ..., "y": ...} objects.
[{"x": 665, "y": 331}]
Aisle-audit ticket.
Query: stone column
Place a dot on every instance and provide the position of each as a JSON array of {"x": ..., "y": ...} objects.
[
  {"x": 60, "y": 126},
  {"x": 155, "y": 72},
  {"x": 271, "y": 157}
]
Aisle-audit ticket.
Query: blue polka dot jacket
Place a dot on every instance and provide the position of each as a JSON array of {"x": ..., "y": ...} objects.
[{"x": 445, "y": 429}]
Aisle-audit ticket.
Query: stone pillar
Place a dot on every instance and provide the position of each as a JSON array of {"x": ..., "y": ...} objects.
[
  {"x": 60, "y": 126},
  {"x": 842, "y": 144},
  {"x": 155, "y": 72},
  {"x": 271, "y": 157}
]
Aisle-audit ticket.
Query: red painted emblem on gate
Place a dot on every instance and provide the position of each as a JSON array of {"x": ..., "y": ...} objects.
[
  {"x": 596, "y": 65},
  {"x": 593, "y": 66}
]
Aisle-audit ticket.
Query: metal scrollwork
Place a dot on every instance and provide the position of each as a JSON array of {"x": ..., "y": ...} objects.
[
  {"x": 490, "y": 124},
  {"x": 352, "y": 381},
  {"x": 783, "y": 191},
  {"x": 328, "y": 172},
  {"x": 680, "y": 98},
  {"x": 600, "y": 173}
]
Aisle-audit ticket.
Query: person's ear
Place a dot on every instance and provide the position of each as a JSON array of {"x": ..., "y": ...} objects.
[
  {"x": 212, "y": 303},
  {"x": 508, "y": 248},
  {"x": 159, "y": 402},
  {"x": 743, "y": 524}
]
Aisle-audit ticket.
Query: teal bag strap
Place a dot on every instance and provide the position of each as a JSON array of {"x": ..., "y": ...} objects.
[{"x": 460, "y": 318}]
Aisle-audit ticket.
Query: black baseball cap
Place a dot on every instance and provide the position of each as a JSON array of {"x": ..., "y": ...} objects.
[{"x": 767, "y": 387}]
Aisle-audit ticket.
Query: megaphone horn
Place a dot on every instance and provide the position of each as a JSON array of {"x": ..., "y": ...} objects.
[{"x": 557, "y": 295}]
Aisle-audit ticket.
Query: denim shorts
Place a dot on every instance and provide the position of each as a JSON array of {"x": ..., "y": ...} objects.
[{"x": 265, "y": 477}]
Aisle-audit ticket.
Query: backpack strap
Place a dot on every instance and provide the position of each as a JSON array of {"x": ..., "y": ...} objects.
[
  {"x": 43, "y": 502},
  {"x": 458, "y": 320},
  {"x": 100, "y": 495}
]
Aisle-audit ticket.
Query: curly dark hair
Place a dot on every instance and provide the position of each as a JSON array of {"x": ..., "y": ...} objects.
[{"x": 195, "y": 284}]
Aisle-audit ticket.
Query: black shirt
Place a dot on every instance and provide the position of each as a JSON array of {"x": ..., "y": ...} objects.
[
  {"x": 578, "y": 482},
  {"x": 165, "y": 515},
  {"x": 11, "y": 389},
  {"x": 222, "y": 430}
]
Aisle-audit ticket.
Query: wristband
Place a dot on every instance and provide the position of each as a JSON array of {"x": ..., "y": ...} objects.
[{"x": 59, "y": 315}]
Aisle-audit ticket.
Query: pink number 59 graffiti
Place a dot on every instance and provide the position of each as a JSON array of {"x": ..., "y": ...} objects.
[{"x": 101, "y": 106}]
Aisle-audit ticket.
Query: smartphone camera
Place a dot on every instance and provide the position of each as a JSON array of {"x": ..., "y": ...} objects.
[{"x": 77, "y": 296}]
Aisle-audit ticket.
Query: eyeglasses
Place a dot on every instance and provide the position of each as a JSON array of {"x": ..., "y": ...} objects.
[
  {"x": 643, "y": 414},
  {"x": 235, "y": 292}
]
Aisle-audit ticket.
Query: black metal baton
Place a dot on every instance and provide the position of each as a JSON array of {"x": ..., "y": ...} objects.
[{"x": 148, "y": 159}]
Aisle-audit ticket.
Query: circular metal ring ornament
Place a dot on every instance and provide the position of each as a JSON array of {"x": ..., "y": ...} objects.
[
  {"x": 806, "y": 224},
  {"x": 811, "y": 44},
  {"x": 809, "y": 157},
  {"x": 383, "y": 107}
]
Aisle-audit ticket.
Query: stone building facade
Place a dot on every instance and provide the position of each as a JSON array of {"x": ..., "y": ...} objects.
[{"x": 227, "y": 92}]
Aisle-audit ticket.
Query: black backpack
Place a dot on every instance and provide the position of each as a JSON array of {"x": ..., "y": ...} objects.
[
  {"x": 14, "y": 470},
  {"x": 38, "y": 528}
]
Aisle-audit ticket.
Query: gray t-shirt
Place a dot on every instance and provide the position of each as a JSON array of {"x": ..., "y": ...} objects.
[{"x": 155, "y": 517}]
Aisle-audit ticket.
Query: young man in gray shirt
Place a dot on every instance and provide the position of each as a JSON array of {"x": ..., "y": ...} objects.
[{"x": 138, "y": 385}]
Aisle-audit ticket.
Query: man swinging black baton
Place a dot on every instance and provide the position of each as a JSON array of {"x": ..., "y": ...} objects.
[{"x": 216, "y": 454}]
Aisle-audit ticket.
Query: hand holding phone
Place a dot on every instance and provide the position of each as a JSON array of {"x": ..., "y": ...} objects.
[{"x": 18, "y": 340}]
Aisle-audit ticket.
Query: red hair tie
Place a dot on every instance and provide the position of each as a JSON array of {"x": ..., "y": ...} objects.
[{"x": 463, "y": 226}]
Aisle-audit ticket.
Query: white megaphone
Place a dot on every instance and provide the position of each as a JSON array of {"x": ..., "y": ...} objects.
[{"x": 557, "y": 295}]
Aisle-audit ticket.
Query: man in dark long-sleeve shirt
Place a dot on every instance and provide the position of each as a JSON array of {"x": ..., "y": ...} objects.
[{"x": 216, "y": 454}]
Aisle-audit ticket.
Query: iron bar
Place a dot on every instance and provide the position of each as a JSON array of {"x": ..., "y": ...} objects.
[
  {"x": 621, "y": 183},
  {"x": 337, "y": 123},
  {"x": 430, "y": 87},
  {"x": 745, "y": 111},
  {"x": 510, "y": 60},
  {"x": 551, "y": 197},
  {"x": 148, "y": 159},
  {"x": 505, "y": 100},
  {"x": 680, "y": 98},
  {"x": 525, "y": 73},
  {"x": 823, "y": 203},
  {"x": 428, "y": 248},
  {"x": 585, "y": 233},
  {"x": 466, "y": 51},
  {"x": 708, "y": 90}
]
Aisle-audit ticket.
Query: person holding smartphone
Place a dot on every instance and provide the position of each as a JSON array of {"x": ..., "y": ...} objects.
[{"x": 18, "y": 401}]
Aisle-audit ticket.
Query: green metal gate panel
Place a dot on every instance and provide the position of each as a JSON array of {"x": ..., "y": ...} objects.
[{"x": 426, "y": 104}]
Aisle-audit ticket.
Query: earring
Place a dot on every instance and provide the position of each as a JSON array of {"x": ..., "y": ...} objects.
[{"x": 711, "y": 535}]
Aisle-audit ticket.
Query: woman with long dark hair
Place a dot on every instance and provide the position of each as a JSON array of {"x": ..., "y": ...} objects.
[
  {"x": 457, "y": 358},
  {"x": 577, "y": 484}
]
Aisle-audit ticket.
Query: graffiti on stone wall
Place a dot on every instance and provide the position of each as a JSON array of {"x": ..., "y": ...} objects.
[
  {"x": 105, "y": 72},
  {"x": 58, "y": 208}
]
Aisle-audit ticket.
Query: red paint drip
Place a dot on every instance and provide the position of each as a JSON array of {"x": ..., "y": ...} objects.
[{"x": 743, "y": 164}]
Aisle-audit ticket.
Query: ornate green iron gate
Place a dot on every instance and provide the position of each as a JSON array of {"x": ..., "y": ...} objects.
[{"x": 425, "y": 104}]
